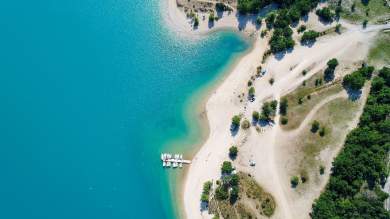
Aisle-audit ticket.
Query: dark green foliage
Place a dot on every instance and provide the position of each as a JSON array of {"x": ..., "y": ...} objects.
[
  {"x": 233, "y": 150},
  {"x": 227, "y": 167},
  {"x": 365, "y": 22},
  {"x": 234, "y": 194},
  {"x": 281, "y": 39},
  {"x": 234, "y": 180},
  {"x": 304, "y": 72},
  {"x": 384, "y": 73},
  {"x": 294, "y": 181},
  {"x": 221, "y": 7},
  {"x": 251, "y": 91},
  {"x": 221, "y": 192},
  {"x": 283, "y": 106},
  {"x": 236, "y": 120},
  {"x": 309, "y": 36},
  {"x": 325, "y": 14},
  {"x": 211, "y": 17},
  {"x": 249, "y": 6},
  {"x": 270, "y": 20},
  {"x": 329, "y": 71},
  {"x": 322, "y": 170},
  {"x": 284, "y": 121},
  {"x": 355, "y": 81},
  {"x": 196, "y": 21},
  {"x": 255, "y": 115},
  {"x": 338, "y": 28},
  {"x": 269, "y": 110},
  {"x": 206, "y": 191},
  {"x": 315, "y": 126},
  {"x": 360, "y": 168},
  {"x": 271, "y": 81},
  {"x": 322, "y": 131},
  {"x": 301, "y": 28}
]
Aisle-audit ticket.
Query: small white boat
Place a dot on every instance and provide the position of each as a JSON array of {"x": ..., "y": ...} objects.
[
  {"x": 168, "y": 164},
  {"x": 164, "y": 164},
  {"x": 180, "y": 165}
]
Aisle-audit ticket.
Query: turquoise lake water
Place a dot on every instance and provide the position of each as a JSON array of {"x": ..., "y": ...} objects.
[{"x": 90, "y": 93}]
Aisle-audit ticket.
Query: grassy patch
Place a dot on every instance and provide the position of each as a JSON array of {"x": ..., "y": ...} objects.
[
  {"x": 334, "y": 116},
  {"x": 253, "y": 201},
  {"x": 377, "y": 11},
  {"x": 303, "y": 99},
  {"x": 380, "y": 52}
]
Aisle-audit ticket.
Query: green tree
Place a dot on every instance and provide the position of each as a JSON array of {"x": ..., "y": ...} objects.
[
  {"x": 325, "y": 14},
  {"x": 251, "y": 91},
  {"x": 233, "y": 150},
  {"x": 294, "y": 181},
  {"x": 236, "y": 120},
  {"x": 227, "y": 167},
  {"x": 309, "y": 36},
  {"x": 255, "y": 115},
  {"x": 301, "y": 28},
  {"x": 283, "y": 106},
  {"x": 315, "y": 126},
  {"x": 284, "y": 121}
]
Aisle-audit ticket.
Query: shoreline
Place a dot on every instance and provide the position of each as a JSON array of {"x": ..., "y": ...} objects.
[{"x": 176, "y": 21}]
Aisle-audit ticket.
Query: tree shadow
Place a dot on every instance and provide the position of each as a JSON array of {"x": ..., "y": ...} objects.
[
  {"x": 234, "y": 129},
  {"x": 308, "y": 43},
  {"x": 353, "y": 94},
  {"x": 211, "y": 24},
  {"x": 204, "y": 206},
  {"x": 329, "y": 75}
]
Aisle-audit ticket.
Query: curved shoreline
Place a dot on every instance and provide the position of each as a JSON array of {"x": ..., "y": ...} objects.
[{"x": 177, "y": 22}]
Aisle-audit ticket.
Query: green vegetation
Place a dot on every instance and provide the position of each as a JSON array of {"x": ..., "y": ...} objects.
[
  {"x": 251, "y": 91},
  {"x": 329, "y": 71},
  {"x": 269, "y": 110},
  {"x": 356, "y": 79},
  {"x": 359, "y": 170},
  {"x": 196, "y": 21},
  {"x": 322, "y": 170},
  {"x": 283, "y": 106},
  {"x": 255, "y": 115},
  {"x": 284, "y": 121},
  {"x": 375, "y": 11},
  {"x": 297, "y": 112},
  {"x": 380, "y": 51},
  {"x": 338, "y": 28},
  {"x": 309, "y": 36},
  {"x": 236, "y": 120},
  {"x": 322, "y": 132},
  {"x": 241, "y": 197},
  {"x": 294, "y": 181},
  {"x": 271, "y": 81},
  {"x": 325, "y": 14},
  {"x": 301, "y": 28},
  {"x": 212, "y": 17},
  {"x": 206, "y": 191},
  {"x": 315, "y": 126},
  {"x": 233, "y": 151},
  {"x": 227, "y": 167}
]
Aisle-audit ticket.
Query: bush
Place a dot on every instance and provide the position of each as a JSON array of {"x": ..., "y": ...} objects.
[
  {"x": 236, "y": 120},
  {"x": 325, "y": 14},
  {"x": 304, "y": 72},
  {"x": 227, "y": 167},
  {"x": 338, "y": 28},
  {"x": 196, "y": 21},
  {"x": 234, "y": 194},
  {"x": 211, "y": 17},
  {"x": 355, "y": 81},
  {"x": 333, "y": 63},
  {"x": 255, "y": 115},
  {"x": 301, "y": 28},
  {"x": 245, "y": 124},
  {"x": 309, "y": 36},
  {"x": 283, "y": 106},
  {"x": 206, "y": 191},
  {"x": 294, "y": 181},
  {"x": 322, "y": 170},
  {"x": 248, "y": 6},
  {"x": 365, "y": 23},
  {"x": 322, "y": 132},
  {"x": 271, "y": 81},
  {"x": 204, "y": 198},
  {"x": 251, "y": 91},
  {"x": 315, "y": 126},
  {"x": 284, "y": 121},
  {"x": 221, "y": 192},
  {"x": 233, "y": 150}
]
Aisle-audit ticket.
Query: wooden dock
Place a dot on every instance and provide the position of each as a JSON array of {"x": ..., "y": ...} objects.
[{"x": 176, "y": 160}]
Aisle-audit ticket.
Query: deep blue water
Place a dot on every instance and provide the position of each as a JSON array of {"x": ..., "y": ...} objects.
[{"x": 91, "y": 91}]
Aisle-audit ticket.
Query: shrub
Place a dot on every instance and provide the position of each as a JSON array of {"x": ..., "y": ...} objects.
[
  {"x": 315, "y": 126},
  {"x": 301, "y": 28},
  {"x": 325, "y": 14},
  {"x": 355, "y": 81},
  {"x": 234, "y": 194},
  {"x": 365, "y": 23},
  {"x": 245, "y": 124},
  {"x": 284, "y": 121},
  {"x": 236, "y": 120},
  {"x": 204, "y": 198},
  {"x": 322, "y": 170},
  {"x": 333, "y": 63},
  {"x": 338, "y": 28},
  {"x": 227, "y": 167},
  {"x": 271, "y": 81},
  {"x": 255, "y": 115},
  {"x": 211, "y": 17},
  {"x": 233, "y": 150},
  {"x": 294, "y": 181},
  {"x": 221, "y": 192},
  {"x": 322, "y": 132},
  {"x": 251, "y": 91},
  {"x": 196, "y": 21},
  {"x": 309, "y": 36},
  {"x": 304, "y": 72},
  {"x": 283, "y": 106}
]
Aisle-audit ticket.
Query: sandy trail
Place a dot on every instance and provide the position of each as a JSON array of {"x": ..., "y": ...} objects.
[{"x": 224, "y": 103}]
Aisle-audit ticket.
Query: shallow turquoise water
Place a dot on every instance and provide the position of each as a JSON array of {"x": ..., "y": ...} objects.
[{"x": 90, "y": 93}]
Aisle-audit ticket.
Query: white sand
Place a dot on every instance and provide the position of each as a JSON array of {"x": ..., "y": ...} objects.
[{"x": 223, "y": 104}]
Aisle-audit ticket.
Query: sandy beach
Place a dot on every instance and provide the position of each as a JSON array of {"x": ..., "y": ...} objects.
[{"x": 266, "y": 147}]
